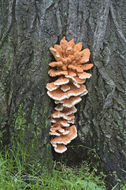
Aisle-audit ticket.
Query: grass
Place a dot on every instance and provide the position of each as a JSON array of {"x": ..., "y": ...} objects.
[{"x": 16, "y": 173}]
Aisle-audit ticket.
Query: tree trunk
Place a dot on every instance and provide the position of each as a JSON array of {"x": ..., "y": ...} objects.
[{"x": 27, "y": 29}]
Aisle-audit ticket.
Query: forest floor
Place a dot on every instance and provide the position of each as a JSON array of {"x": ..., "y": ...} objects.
[{"x": 18, "y": 174}]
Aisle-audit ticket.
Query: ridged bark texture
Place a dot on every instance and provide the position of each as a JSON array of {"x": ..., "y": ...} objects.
[{"x": 27, "y": 29}]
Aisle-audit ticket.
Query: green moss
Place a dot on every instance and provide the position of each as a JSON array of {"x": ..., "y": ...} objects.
[
  {"x": 31, "y": 132},
  {"x": 20, "y": 118}
]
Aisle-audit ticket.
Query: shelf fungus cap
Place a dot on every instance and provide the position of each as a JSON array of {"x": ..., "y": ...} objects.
[
  {"x": 76, "y": 84},
  {"x": 71, "y": 73},
  {"x": 65, "y": 132},
  {"x": 55, "y": 73},
  {"x": 74, "y": 91},
  {"x": 64, "y": 68},
  {"x": 65, "y": 139},
  {"x": 68, "y": 117},
  {"x": 84, "y": 75},
  {"x": 58, "y": 49},
  {"x": 71, "y": 101},
  {"x": 51, "y": 86},
  {"x": 60, "y": 130},
  {"x": 61, "y": 114},
  {"x": 59, "y": 107},
  {"x": 86, "y": 67},
  {"x": 52, "y": 50},
  {"x": 58, "y": 94},
  {"x": 61, "y": 81},
  {"x": 75, "y": 68},
  {"x": 58, "y": 102},
  {"x": 55, "y": 53},
  {"x": 53, "y": 120},
  {"x": 56, "y": 64},
  {"x": 85, "y": 55},
  {"x": 54, "y": 133},
  {"x": 78, "y": 80},
  {"x": 72, "y": 121},
  {"x": 63, "y": 42},
  {"x": 78, "y": 47},
  {"x": 60, "y": 148},
  {"x": 57, "y": 128},
  {"x": 57, "y": 114},
  {"x": 62, "y": 122},
  {"x": 70, "y": 77},
  {"x": 69, "y": 111},
  {"x": 65, "y": 87},
  {"x": 84, "y": 93}
]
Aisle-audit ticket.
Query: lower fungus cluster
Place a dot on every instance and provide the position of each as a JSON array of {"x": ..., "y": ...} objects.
[{"x": 67, "y": 90}]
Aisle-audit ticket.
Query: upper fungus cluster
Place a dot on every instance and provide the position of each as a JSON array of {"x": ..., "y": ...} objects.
[{"x": 67, "y": 90}]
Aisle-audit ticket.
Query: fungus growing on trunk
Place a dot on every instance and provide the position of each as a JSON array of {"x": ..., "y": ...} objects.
[{"x": 66, "y": 90}]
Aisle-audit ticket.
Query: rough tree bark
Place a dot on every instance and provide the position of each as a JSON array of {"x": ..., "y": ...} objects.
[{"x": 27, "y": 29}]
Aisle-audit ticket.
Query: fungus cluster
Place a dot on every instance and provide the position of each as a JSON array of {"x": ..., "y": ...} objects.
[{"x": 67, "y": 90}]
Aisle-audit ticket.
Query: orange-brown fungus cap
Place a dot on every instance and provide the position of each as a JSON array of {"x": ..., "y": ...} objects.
[
  {"x": 72, "y": 121},
  {"x": 59, "y": 107},
  {"x": 65, "y": 87},
  {"x": 65, "y": 139},
  {"x": 54, "y": 133},
  {"x": 78, "y": 47},
  {"x": 63, "y": 43},
  {"x": 70, "y": 46},
  {"x": 64, "y": 68},
  {"x": 78, "y": 80},
  {"x": 55, "y": 54},
  {"x": 84, "y": 75},
  {"x": 86, "y": 67},
  {"x": 71, "y": 101},
  {"x": 62, "y": 122},
  {"x": 65, "y": 132},
  {"x": 75, "y": 68},
  {"x": 85, "y": 55},
  {"x": 69, "y": 111},
  {"x": 58, "y": 94},
  {"x": 76, "y": 84},
  {"x": 53, "y": 50},
  {"x": 55, "y": 73},
  {"x": 58, "y": 49},
  {"x": 53, "y": 120},
  {"x": 57, "y": 114},
  {"x": 71, "y": 73},
  {"x": 61, "y": 114},
  {"x": 58, "y": 128},
  {"x": 74, "y": 91},
  {"x": 60, "y": 148},
  {"x": 51, "y": 86},
  {"x": 58, "y": 102},
  {"x": 56, "y": 64},
  {"x": 61, "y": 81},
  {"x": 84, "y": 93}
]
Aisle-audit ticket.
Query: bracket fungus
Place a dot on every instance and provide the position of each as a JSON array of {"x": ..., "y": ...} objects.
[{"x": 67, "y": 89}]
